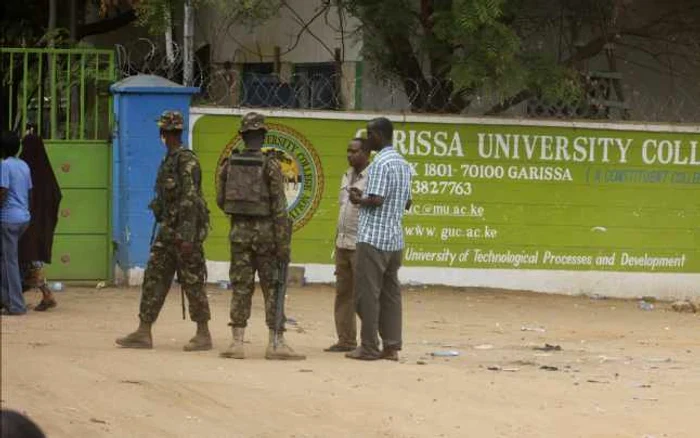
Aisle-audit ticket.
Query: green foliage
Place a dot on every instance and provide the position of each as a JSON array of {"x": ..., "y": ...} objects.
[
  {"x": 487, "y": 50},
  {"x": 18, "y": 23},
  {"x": 153, "y": 14},
  {"x": 552, "y": 81},
  {"x": 477, "y": 45},
  {"x": 492, "y": 57}
]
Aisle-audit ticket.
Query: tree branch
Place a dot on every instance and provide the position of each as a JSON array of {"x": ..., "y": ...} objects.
[
  {"x": 509, "y": 102},
  {"x": 107, "y": 25},
  {"x": 305, "y": 25},
  {"x": 591, "y": 49},
  {"x": 658, "y": 28}
]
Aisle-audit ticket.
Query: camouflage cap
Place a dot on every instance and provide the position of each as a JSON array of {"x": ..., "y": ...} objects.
[
  {"x": 252, "y": 122},
  {"x": 171, "y": 121}
]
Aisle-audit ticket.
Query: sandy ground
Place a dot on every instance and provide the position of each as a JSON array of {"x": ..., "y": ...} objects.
[{"x": 621, "y": 371}]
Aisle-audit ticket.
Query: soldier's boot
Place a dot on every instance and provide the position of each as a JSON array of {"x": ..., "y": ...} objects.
[
  {"x": 141, "y": 338},
  {"x": 283, "y": 351},
  {"x": 201, "y": 340},
  {"x": 236, "y": 349}
]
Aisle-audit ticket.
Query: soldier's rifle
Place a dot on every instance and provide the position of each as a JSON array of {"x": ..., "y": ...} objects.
[
  {"x": 154, "y": 231},
  {"x": 281, "y": 287},
  {"x": 280, "y": 294}
]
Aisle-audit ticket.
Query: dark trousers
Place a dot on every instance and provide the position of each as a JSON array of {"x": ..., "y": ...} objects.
[
  {"x": 164, "y": 261},
  {"x": 247, "y": 258},
  {"x": 344, "y": 308},
  {"x": 378, "y": 297},
  {"x": 10, "y": 279}
]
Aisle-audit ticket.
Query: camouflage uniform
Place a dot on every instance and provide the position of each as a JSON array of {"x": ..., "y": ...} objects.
[
  {"x": 182, "y": 215},
  {"x": 257, "y": 241},
  {"x": 254, "y": 241},
  {"x": 178, "y": 210}
]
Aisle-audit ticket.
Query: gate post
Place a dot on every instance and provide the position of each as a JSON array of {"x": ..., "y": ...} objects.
[{"x": 136, "y": 155}]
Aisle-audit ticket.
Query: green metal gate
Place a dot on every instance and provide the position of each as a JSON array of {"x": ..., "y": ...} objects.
[{"x": 65, "y": 93}]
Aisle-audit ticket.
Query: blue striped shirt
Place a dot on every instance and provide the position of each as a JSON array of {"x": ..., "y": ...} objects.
[{"x": 389, "y": 176}]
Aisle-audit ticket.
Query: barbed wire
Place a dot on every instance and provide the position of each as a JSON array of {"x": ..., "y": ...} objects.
[
  {"x": 143, "y": 56},
  {"x": 325, "y": 88},
  {"x": 682, "y": 108}
]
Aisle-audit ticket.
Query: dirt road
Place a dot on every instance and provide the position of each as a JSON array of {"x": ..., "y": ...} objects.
[{"x": 621, "y": 371}]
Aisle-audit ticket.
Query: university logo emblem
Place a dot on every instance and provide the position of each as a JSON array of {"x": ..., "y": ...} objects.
[{"x": 301, "y": 168}]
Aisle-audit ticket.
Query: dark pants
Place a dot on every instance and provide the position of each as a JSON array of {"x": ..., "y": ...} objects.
[
  {"x": 378, "y": 297},
  {"x": 165, "y": 260},
  {"x": 344, "y": 309},
  {"x": 247, "y": 258},
  {"x": 10, "y": 279}
]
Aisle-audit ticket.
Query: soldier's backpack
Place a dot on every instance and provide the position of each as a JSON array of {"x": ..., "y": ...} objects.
[{"x": 246, "y": 191}]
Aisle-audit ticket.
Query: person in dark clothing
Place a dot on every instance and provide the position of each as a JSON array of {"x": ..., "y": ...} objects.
[
  {"x": 15, "y": 425},
  {"x": 36, "y": 243}
]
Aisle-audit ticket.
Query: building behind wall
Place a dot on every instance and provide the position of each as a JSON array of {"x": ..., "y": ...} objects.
[
  {"x": 307, "y": 59},
  {"x": 297, "y": 59}
]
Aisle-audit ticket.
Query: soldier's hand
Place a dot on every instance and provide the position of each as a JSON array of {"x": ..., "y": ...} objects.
[
  {"x": 157, "y": 210},
  {"x": 186, "y": 248}
]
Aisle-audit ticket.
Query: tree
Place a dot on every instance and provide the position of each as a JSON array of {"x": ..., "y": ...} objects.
[
  {"x": 447, "y": 52},
  {"x": 31, "y": 23},
  {"x": 158, "y": 15}
]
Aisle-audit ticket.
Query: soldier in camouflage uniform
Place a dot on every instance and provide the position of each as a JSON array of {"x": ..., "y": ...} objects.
[
  {"x": 183, "y": 218},
  {"x": 251, "y": 192}
]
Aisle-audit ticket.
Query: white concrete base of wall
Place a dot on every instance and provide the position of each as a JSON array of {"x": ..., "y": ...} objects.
[
  {"x": 609, "y": 284},
  {"x": 129, "y": 277}
]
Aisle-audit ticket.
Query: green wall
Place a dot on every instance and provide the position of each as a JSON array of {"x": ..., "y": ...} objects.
[{"x": 567, "y": 199}]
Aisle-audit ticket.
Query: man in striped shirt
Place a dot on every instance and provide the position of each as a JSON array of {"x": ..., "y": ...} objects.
[{"x": 380, "y": 245}]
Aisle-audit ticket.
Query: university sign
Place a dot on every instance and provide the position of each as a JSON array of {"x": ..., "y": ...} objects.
[{"x": 505, "y": 195}]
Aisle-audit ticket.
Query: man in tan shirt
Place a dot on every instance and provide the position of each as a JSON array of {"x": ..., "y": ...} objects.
[{"x": 346, "y": 236}]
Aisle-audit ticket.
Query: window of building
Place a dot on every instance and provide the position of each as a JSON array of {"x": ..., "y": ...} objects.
[
  {"x": 316, "y": 85},
  {"x": 262, "y": 87},
  {"x": 311, "y": 86}
]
